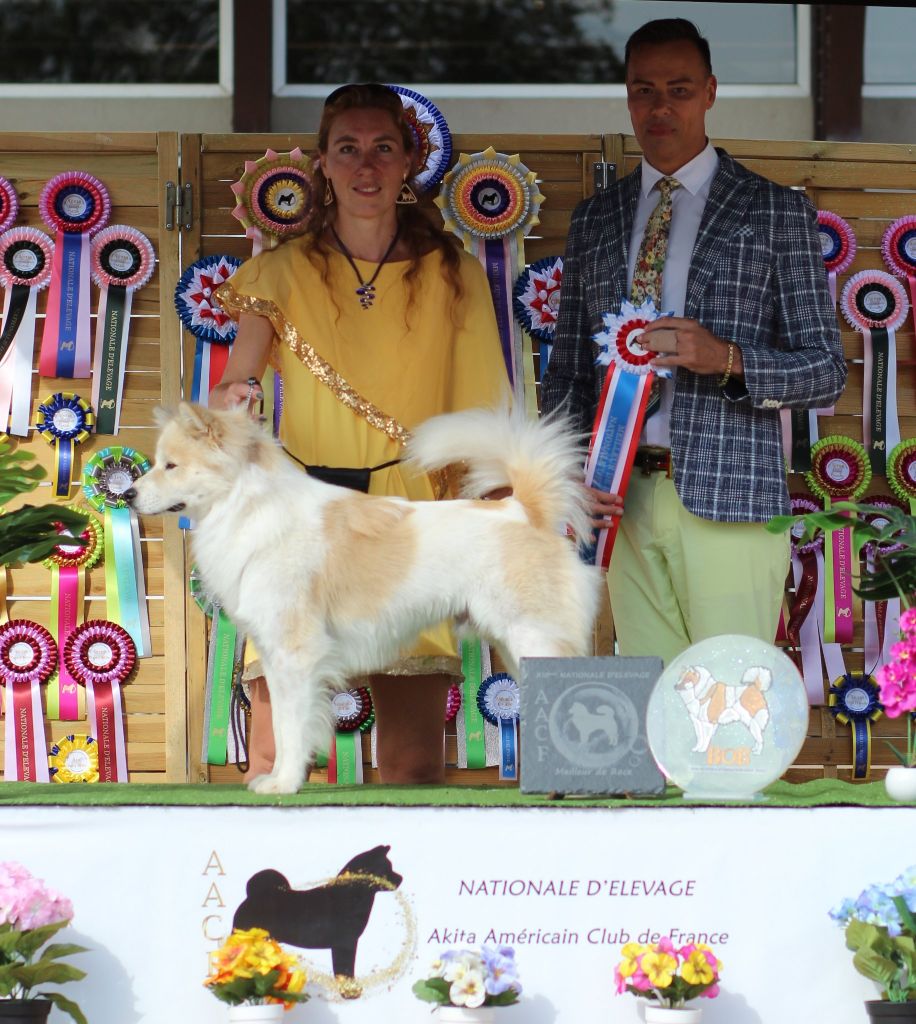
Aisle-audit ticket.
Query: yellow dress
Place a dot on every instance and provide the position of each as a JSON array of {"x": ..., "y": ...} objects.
[{"x": 356, "y": 381}]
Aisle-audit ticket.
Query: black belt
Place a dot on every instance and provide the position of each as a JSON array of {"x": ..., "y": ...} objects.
[
  {"x": 653, "y": 460},
  {"x": 355, "y": 478}
]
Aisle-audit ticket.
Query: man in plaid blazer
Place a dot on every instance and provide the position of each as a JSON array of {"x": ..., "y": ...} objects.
[{"x": 756, "y": 331}]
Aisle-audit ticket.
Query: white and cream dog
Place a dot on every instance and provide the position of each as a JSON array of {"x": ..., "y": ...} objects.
[
  {"x": 711, "y": 703},
  {"x": 332, "y": 584}
]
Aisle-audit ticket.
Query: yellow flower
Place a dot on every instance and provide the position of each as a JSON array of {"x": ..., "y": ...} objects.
[
  {"x": 630, "y": 955},
  {"x": 659, "y": 968},
  {"x": 697, "y": 969}
]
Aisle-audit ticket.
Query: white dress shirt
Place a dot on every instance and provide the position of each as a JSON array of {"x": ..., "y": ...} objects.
[{"x": 688, "y": 203}]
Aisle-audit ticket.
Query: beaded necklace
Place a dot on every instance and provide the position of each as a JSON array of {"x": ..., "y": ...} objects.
[{"x": 366, "y": 289}]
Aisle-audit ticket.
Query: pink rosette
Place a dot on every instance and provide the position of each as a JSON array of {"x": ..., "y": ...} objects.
[
  {"x": 99, "y": 652},
  {"x": 26, "y": 257},
  {"x": 898, "y": 246},
  {"x": 28, "y": 653},
  {"x": 874, "y": 300},
  {"x": 838, "y": 242},
  {"x": 75, "y": 202},
  {"x": 882, "y": 501},
  {"x": 802, "y": 505},
  {"x": 122, "y": 256},
  {"x": 9, "y": 204},
  {"x": 452, "y": 702}
]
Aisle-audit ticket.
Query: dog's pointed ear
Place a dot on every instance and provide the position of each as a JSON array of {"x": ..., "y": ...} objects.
[
  {"x": 199, "y": 422},
  {"x": 162, "y": 415}
]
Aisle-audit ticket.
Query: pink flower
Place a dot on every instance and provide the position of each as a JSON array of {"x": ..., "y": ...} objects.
[
  {"x": 640, "y": 982},
  {"x": 908, "y": 620},
  {"x": 711, "y": 992},
  {"x": 26, "y": 902}
]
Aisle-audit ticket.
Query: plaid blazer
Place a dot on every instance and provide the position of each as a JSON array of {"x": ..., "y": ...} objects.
[{"x": 756, "y": 278}]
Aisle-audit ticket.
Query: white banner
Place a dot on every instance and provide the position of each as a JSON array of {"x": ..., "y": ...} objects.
[{"x": 156, "y": 888}]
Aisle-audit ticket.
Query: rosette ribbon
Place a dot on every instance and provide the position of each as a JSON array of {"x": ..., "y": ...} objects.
[
  {"x": 882, "y": 618},
  {"x": 354, "y": 715},
  {"x": 9, "y": 204},
  {"x": 273, "y": 197},
  {"x": 838, "y": 246},
  {"x": 899, "y": 250},
  {"x": 432, "y": 138},
  {"x": 854, "y": 701},
  {"x": 64, "y": 420},
  {"x": 839, "y": 472},
  {"x": 26, "y": 257},
  {"x": 452, "y": 702},
  {"x": 75, "y": 758},
  {"x": 75, "y": 205},
  {"x": 100, "y": 655},
  {"x": 901, "y": 472},
  {"x": 536, "y": 297},
  {"x": 875, "y": 304},
  {"x": 28, "y": 655},
  {"x": 499, "y": 703},
  {"x": 123, "y": 261},
  {"x": 802, "y": 627},
  {"x": 212, "y": 327},
  {"x": 108, "y": 474},
  {"x": 621, "y": 411},
  {"x": 224, "y": 657},
  {"x": 491, "y": 202},
  {"x": 68, "y": 564}
]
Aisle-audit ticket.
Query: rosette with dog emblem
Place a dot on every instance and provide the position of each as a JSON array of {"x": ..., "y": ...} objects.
[
  {"x": 101, "y": 656},
  {"x": 75, "y": 758},
  {"x": 838, "y": 246},
  {"x": 64, "y": 420},
  {"x": 26, "y": 257},
  {"x": 107, "y": 476},
  {"x": 899, "y": 249},
  {"x": 28, "y": 655},
  {"x": 854, "y": 702},
  {"x": 123, "y": 261},
  {"x": 354, "y": 715},
  {"x": 9, "y": 204},
  {"x": 499, "y": 703},
  {"x": 274, "y": 196},
  {"x": 75, "y": 205}
]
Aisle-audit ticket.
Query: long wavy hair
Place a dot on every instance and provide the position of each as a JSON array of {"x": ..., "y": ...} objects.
[{"x": 418, "y": 231}]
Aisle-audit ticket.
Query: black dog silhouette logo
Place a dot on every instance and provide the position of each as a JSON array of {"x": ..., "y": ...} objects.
[{"x": 332, "y": 916}]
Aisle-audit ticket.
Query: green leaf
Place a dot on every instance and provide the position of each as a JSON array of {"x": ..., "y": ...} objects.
[
  {"x": 907, "y": 918},
  {"x": 33, "y": 939},
  {"x": 66, "y": 1005},
  {"x": 430, "y": 991},
  {"x": 506, "y": 998},
  {"x": 264, "y": 983},
  {"x": 30, "y": 975},
  {"x": 58, "y": 949},
  {"x": 875, "y": 966}
]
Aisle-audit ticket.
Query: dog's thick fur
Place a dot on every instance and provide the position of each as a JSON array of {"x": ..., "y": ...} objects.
[{"x": 332, "y": 584}]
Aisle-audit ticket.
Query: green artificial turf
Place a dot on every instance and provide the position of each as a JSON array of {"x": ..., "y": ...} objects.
[{"x": 817, "y": 793}]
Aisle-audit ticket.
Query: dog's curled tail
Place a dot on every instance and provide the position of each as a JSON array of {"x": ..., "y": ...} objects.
[
  {"x": 541, "y": 460},
  {"x": 761, "y": 677}
]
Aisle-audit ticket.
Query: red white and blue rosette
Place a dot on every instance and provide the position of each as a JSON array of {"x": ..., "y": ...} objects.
[
  {"x": 123, "y": 261},
  {"x": 28, "y": 656},
  {"x": 75, "y": 205},
  {"x": 621, "y": 410},
  {"x": 431, "y": 135},
  {"x": 536, "y": 298},
  {"x": 9, "y": 204},
  {"x": 491, "y": 202},
  {"x": 202, "y": 315},
  {"x": 499, "y": 702},
  {"x": 875, "y": 304},
  {"x": 353, "y": 715},
  {"x": 26, "y": 258},
  {"x": 801, "y": 627},
  {"x": 107, "y": 476},
  {"x": 839, "y": 471},
  {"x": 854, "y": 700},
  {"x": 898, "y": 246},
  {"x": 101, "y": 656},
  {"x": 273, "y": 197},
  {"x": 64, "y": 420},
  {"x": 838, "y": 246},
  {"x": 882, "y": 618}
]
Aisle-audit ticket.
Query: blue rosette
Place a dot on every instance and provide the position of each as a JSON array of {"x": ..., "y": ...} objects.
[
  {"x": 64, "y": 420},
  {"x": 433, "y": 138},
  {"x": 196, "y": 304},
  {"x": 499, "y": 701},
  {"x": 536, "y": 301},
  {"x": 854, "y": 700}
]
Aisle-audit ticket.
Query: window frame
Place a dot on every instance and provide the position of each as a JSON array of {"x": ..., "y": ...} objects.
[
  {"x": 140, "y": 90},
  {"x": 800, "y": 88}
]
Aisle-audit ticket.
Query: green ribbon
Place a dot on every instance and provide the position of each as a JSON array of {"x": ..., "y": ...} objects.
[
  {"x": 349, "y": 747},
  {"x": 471, "y": 666},
  {"x": 110, "y": 381},
  {"x": 121, "y": 576},
  {"x": 220, "y": 665}
]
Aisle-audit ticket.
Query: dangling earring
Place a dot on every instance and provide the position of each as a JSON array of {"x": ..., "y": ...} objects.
[
  {"x": 328, "y": 193},
  {"x": 406, "y": 196}
]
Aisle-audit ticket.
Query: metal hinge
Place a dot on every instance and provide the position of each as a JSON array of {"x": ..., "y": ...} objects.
[
  {"x": 604, "y": 173},
  {"x": 179, "y": 206}
]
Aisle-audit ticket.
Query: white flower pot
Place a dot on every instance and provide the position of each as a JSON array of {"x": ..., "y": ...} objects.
[
  {"x": 900, "y": 784},
  {"x": 256, "y": 1014},
  {"x": 463, "y": 1015},
  {"x": 672, "y": 1015}
]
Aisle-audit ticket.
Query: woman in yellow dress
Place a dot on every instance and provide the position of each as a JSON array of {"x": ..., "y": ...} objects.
[{"x": 376, "y": 320}]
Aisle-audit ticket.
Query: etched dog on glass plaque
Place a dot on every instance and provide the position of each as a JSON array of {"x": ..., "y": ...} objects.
[
  {"x": 332, "y": 584},
  {"x": 711, "y": 703}
]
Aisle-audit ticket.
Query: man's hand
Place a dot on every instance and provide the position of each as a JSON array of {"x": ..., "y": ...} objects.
[
  {"x": 604, "y": 506},
  {"x": 698, "y": 349}
]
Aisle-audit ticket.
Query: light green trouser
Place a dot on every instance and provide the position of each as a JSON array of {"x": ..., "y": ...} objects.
[{"x": 675, "y": 579}]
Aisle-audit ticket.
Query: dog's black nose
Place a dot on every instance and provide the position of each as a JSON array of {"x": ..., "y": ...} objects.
[{"x": 129, "y": 495}]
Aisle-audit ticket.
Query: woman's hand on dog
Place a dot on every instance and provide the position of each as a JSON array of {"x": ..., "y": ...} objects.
[
  {"x": 603, "y": 507},
  {"x": 234, "y": 393}
]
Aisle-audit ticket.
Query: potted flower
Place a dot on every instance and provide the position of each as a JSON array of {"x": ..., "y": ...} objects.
[
  {"x": 668, "y": 977},
  {"x": 31, "y": 914},
  {"x": 255, "y": 976},
  {"x": 881, "y": 932},
  {"x": 467, "y": 986}
]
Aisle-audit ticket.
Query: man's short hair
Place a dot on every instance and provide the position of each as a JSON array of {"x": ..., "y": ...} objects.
[{"x": 668, "y": 30}]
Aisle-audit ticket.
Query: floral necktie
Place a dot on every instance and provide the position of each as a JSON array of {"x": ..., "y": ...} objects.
[{"x": 647, "y": 274}]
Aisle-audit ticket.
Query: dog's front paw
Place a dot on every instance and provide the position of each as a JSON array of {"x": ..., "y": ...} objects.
[{"x": 272, "y": 785}]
